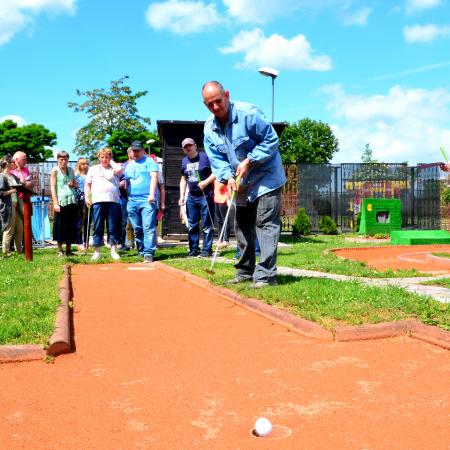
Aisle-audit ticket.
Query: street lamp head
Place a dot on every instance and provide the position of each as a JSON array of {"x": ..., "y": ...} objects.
[
  {"x": 151, "y": 141},
  {"x": 269, "y": 72}
]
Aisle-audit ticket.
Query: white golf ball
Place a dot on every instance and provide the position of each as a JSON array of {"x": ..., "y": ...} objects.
[{"x": 263, "y": 426}]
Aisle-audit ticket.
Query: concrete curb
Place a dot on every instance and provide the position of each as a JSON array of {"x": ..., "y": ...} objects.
[
  {"x": 16, "y": 353},
  {"x": 60, "y": 341},
  {"x": 431, "y": 334}
]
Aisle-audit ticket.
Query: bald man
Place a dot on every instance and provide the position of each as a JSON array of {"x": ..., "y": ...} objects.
[
  {"x": 24, "y": 176},
  {"x": 242, "y": 144}
]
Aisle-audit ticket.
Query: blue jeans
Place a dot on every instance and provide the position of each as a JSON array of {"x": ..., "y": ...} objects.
[
  {"x": 100, "y": 212},
  {"x": 258, "y": 220},
  {"x": 142, "y": 215},
  {"x": 196, "y": 209}
]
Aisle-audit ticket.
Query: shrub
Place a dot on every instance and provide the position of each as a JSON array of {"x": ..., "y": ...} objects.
[
  {"x": 302, "y": 224},
  {"x": 445, "y": 196},
  {"x": 327, "y": 225}
]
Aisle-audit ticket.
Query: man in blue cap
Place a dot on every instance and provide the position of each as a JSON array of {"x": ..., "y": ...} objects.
[{"x": 141, "y": 177}]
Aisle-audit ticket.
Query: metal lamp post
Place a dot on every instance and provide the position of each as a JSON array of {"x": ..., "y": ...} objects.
[{"x": 272, "y": 73}]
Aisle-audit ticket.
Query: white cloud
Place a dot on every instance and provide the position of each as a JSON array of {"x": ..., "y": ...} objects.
[
  {"x": 19, "y": 120},
  {"x": 413, "y": 6},
  {"x": 424, "y": 33},
  {"x": 276, "y": 51},
  {"x": 16, "y": 15},
  {"x": 402, "y": 125},
  {"x": 359, "y": 17},
  {"x": 182, "y": 17},
  {"x": 260, "y": 11}
]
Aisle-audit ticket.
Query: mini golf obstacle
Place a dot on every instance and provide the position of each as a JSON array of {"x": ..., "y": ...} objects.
[
  {"x": 380, "y": 216},
  {"x": 420, "y": 237}
]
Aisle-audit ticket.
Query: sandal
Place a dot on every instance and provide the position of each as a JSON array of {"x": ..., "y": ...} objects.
[{"x": 60, "y": 254}]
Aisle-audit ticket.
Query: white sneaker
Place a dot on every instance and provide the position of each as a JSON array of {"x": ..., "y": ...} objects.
[
  {"x": 115, "y": 255},
  {"x": 95, "y": 256}
]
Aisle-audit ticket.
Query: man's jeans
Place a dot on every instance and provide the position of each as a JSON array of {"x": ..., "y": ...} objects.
[
  {"x": 142, "y": 215},
  {"x": 100, "y": 212},
  {"x": 259, "y": 219},
  {"x": 196, "y": 208}
]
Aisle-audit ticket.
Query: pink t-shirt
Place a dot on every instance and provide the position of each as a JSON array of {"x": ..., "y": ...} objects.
[
  {"x": 104, "y": 184},
  {"x": 23, "y": 175}
]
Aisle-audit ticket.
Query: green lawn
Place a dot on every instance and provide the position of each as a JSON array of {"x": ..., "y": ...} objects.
[
  {"x": 29, "y": 291},
  {"x": 28, "y": 298}
]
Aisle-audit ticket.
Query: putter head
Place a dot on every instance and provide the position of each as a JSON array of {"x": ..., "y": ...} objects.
[{"x": 210, "y": 271}]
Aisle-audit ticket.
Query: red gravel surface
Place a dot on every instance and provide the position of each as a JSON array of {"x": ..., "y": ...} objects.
[
  {"x": 163, "y": 364},
  {"x": 401, "y": 257}
]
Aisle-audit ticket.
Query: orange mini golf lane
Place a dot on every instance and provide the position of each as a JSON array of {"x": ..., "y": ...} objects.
[
  {"x": 417, "y": 257},
  {"x": 161, "y": 363}
]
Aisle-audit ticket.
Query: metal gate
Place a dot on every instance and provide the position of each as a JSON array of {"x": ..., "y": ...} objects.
[{"x": 337, "y": 191}]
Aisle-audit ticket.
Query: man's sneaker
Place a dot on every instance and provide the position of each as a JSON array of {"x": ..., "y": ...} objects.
[
  {"x": 95, "y": 256},
  {"x": 237, "y": 280},
  {"x": 192, "y": 254},
  {"x": 264, "y": 283},
  {"x": 148, "y": 258},
  {"x": 204, "y": 255},
  {"x": 114, "y": 255}
]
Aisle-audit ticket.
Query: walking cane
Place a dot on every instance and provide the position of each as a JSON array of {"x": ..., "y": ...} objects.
[
  {"x": 204, "y": 196},
  {"x": 88, "y": 228}
]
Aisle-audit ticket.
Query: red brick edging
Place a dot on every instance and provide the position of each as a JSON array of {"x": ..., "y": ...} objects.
[
  {"x": 431, "y": 334},
  {"x": 60, "y": 341}
]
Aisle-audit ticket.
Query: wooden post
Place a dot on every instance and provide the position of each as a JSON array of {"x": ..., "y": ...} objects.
[{"x": 28, "y": 234}]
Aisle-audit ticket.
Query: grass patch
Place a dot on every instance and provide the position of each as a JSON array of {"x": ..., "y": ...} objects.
[
  {"x": 329, "y": 302},
  {"x": 441, "y": 254},
  {"x": 443, "y": 282},
  {"x": 29, "y": 296}
]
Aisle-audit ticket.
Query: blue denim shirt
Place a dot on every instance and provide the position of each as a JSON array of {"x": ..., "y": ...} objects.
[{"x": 247, "y": 134}]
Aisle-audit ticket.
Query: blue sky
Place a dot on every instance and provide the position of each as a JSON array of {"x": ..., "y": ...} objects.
[{"x": 377, "y": 71}]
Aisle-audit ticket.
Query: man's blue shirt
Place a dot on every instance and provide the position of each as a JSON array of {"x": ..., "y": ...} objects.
[
  {"x": 137, "y": 174},
  {"x": 247, "y": 134}
]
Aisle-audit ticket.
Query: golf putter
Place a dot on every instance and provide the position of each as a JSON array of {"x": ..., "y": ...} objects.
[
  {"x": 88, "y": 228},
  {"x": 225, "y": 222}
]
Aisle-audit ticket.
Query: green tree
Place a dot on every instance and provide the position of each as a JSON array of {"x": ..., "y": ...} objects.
[
  {"x": 33, "y": 139},
  {"x": 120, "y": 140},
  {"x": 308, "y": 141},
  {"x": 367, "y": 155},
  {"x": 108, "y": 110}
]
